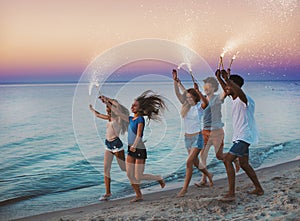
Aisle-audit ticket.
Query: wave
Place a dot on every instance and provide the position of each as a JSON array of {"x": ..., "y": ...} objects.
[
  {"x": 81, "y": 175},
  {"x": 26, "y": 141}
]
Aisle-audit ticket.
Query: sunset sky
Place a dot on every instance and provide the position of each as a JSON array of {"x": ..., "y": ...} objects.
[{"x": 51, "y": 40}]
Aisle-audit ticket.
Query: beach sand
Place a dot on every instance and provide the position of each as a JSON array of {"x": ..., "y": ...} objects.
[{"x": 280, "y": 201}]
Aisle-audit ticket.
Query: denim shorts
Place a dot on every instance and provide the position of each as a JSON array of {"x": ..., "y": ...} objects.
[
  {"x": 240, "y": 148},
  {"x": 115, "y": 145},
  {"x": 194, "y": 141}
]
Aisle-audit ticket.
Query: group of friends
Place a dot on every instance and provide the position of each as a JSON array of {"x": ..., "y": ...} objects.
[{"x": 196, "y": 108}]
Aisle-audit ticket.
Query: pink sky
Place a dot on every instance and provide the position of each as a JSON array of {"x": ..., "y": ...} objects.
[{"x": 58, "y": 39}]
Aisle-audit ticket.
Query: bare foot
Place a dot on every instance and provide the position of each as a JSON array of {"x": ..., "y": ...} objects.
[
  {"x": 228, "y": 198},
  {"x": 237, "y": 165},
  {"x": 258, "y": 192},
  {"x": 105, "y": 197},
  {"x": 210, "y": 176},
  {"x": 201, "y": 183},
  {"x": 181, "y": 193},
  {"x": 162, "y": 183},
  {"x": 136, "y": 199}
]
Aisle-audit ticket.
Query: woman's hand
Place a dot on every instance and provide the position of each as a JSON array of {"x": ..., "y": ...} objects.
[
  {"x": 91, "y": 107},
  {"x": 132, "y": 148}
]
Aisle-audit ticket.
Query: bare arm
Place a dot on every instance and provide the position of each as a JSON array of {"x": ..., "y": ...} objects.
[
  {"x": 113, "y": 105},
  {"x": 177, "y": 85},
  {"x": 99, "y": 115},
  {"x": 235, "y": 88},
  {"x": 222, "y": 83},
  {"x": 220, "y": 80},
  {"x": 138, "y": 137},
  {"x": 203, "y": 98}
]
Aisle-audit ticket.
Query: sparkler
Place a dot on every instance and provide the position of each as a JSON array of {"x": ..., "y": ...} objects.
[
  {"x": 190, "y": 71},
  {"x": 221, "y": 58},
  {"x": 233, "y": 58}
]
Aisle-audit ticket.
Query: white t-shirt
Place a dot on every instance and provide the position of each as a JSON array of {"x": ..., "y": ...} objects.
[
  {"x": 192, "y": 120},
  {"x": 244, "y": 126},
  {"x": 112, "y": 130}
]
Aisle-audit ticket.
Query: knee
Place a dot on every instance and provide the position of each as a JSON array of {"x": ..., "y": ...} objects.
[
  {"x": 129, "y": 174},
  {"x": 219, "y": 156},
  {"x": 227, "y": 160},
  {"x": 107, "y": 171},
  {"x": 189, "y": 163},
  {"x": 138, "y": 177}
]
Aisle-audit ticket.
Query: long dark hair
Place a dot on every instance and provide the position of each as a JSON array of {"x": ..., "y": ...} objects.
[
  {"x": 186, "y": 106},
  {"x": 151, "y": 105}
]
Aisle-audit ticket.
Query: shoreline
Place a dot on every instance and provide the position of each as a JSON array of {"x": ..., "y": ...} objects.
[{"x": 281, "y": 183}]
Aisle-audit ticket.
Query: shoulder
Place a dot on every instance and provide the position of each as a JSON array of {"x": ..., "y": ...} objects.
[
  {"x": 140, "y": 119},
  {"x": 198, "y": 105}
]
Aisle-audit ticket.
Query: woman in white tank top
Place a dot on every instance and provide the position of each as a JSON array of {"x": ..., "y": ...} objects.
[{"x": 193, "y": 104}]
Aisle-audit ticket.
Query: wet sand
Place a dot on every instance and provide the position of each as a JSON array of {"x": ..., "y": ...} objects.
[{"x": 280, "y": 201}]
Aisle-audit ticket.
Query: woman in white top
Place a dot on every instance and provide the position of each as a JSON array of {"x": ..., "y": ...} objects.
[
  {"x": 114, "y": 145},
  {"x": 193, "y": 104}
]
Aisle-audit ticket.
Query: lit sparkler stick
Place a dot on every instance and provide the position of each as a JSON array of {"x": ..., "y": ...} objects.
[
  {"x": 233, "y": 58},
  {"x": 221, "y": 59},
  {"x": 193, "y": 78}
]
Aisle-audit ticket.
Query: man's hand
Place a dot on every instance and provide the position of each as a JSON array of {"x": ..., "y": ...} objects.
[
  {"x": 225, "y": 75},
  {"x": 174, "y": 73},
  {"x": 196, "y": 87},
  {"x": 218, "y": 73}
]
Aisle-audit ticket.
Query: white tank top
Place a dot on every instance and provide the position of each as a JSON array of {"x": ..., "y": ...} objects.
[{"x": 192, "y": 120}]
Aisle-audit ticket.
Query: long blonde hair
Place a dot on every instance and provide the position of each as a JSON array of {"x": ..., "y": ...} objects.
[
  {"x": 186, "y": 106},
  {"x": 123, "y": 123}
]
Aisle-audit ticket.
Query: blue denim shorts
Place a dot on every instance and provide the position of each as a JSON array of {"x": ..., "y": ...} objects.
[
  {"x": 194, "y": 141},
  {"x": 114, "y": 146},
  {"x": 240, "y": 148}
]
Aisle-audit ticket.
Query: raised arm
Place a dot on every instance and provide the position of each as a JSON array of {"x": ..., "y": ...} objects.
[
  {"x": 114, "y": 106},
  {"x": 99, "y": 115},
  {"x": 177, "y": 85},
  {"x": 235, "y": 88},
  {"x": 222, "y": 83},
  {"x": 203, "y": 98}
]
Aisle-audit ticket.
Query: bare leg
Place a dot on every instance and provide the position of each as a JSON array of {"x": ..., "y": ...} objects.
[
  {"x": 139, "y": 173},
  {"x": 130, "y": 170},
  {"x": 244, "y": 162},
  {"x": 189, "y": 171},
  {"x": 229, "y": 158},
  {"x": 108, "y": 158},
  {"x": 121, "y": 160}
]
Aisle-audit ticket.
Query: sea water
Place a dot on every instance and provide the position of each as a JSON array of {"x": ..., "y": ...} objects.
[{"x": 52, "y": 145}]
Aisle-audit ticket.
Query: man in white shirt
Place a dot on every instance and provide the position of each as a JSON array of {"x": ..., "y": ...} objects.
[{"x": 244, "y": 132}]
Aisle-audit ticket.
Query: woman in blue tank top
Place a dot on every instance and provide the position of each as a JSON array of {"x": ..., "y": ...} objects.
[{"x": 150, "y": 105}]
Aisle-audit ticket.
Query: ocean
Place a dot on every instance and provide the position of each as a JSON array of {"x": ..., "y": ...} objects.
[{"x": 52, "y": 145}]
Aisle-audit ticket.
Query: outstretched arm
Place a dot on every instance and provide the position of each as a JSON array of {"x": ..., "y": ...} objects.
[
  {"x": 97, "y": 114},
  {"x": 177, "y": 85},
  {"x": 203, "y": 98}
]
